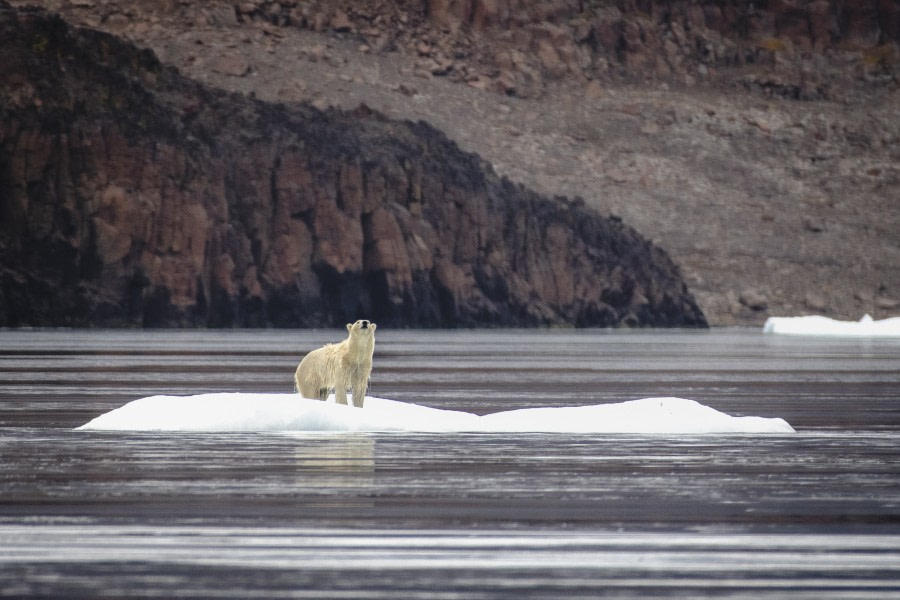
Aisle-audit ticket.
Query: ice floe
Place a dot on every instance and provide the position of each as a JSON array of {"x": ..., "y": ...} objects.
[
  {"x": 824, "y": 326},
  {"x": 246, "y": 412}
]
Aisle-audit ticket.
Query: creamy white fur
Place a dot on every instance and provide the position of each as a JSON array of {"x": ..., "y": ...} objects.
[{"x": 339, "y": 366}]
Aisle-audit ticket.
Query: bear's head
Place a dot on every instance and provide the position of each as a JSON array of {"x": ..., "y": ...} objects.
[
  {"x": 361, "y": 339},
  {"x": 361, "y": 328}
]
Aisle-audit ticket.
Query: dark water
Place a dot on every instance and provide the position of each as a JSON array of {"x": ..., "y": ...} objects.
[{"x": 815, "y": 514}]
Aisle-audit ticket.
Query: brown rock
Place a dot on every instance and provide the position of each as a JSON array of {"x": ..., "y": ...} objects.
[
  {"x": 290, "y": 255},
  {"x": 550, "y": 59},
  {"x": 822, "y": 24},
  {"x": 350, "y": 189},
  {"x": 387, "y": 249},
  {"x": 112, "y": 245},
  {"x": 593, "y": 90},
  {"x": 632, "y": 41},
  {"x": 293, "y": 186},
  {"x": 480, "y": 83},
  {"x": 452, "y": 280},
  {"x": 341, "y": 22},
  {"x": 505, "y": 83},
  {"x": 815, "y": 302},
  {"x": 885, "y": 303},
  {"x": 317, "y": 53},
  {"x": 251, "y": 285},
  {"x": 222, "y": 16},
  {"x": 227, "y": 64},
  {"x": 441, "y": 65},
  {"x": 223, "y": 274},
  {"x": 487, "y": 13},
  {"x": 754, "y": 300},
  {"x": 447, "y": 13},
  {"x": 813, "y": 225},
  {"x": 862, "y": 21},
  {"x": 338, "y": 239}
]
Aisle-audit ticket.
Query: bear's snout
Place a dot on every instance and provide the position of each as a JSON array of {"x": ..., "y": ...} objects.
[{"x": 364, "y": 324}]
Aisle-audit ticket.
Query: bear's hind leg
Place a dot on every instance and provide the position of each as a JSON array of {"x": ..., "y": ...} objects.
[
  {"x": 312, "y": 390},
  {"x": 298, "y": 381},
  {"x": 307, "y": 390}
]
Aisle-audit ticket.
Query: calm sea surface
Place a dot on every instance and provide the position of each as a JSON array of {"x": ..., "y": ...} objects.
[{"x": 811, "y": 515}]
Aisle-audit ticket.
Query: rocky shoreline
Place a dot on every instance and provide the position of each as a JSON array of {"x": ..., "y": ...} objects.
[
  {"x": 134, "y": 196},
  {"x": 760, "y": 150}
]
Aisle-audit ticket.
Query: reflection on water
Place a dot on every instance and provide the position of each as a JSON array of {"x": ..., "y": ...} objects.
[
  {"x": 237, "y": 562},
  {"x": 814, "y": 514}
]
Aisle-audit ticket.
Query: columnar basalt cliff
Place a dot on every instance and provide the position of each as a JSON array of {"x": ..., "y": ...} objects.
[{"x": 130, "y": 195}]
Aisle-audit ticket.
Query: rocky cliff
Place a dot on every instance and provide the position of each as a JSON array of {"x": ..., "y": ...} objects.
[
  {"x": 810, "y": 50},
  {"x": 130, "y": 195}
]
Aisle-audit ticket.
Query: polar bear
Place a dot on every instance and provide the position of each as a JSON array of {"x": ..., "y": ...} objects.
[{"x": 339, "y": 366}]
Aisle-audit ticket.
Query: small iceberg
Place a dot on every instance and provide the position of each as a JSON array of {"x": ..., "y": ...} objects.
[
  {"x": 249, "y": 412},
  {"x": 823, "y": 326}
]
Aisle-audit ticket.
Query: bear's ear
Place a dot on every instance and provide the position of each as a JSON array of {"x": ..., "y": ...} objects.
[
  {"x": 349, "y": 326},
  {"x": 373, "y": 327}
]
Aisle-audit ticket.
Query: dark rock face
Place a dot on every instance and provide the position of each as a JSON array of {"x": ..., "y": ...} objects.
[{"x": 131, "y": 196}]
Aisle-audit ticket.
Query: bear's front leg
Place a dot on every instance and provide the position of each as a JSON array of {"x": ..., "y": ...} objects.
[
  {"x": 359, "y": 394},
  {"x": 340, "y": 392}
]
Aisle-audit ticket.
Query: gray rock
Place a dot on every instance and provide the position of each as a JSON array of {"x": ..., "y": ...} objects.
[
  {"x": 754, "y": 300},
  {"x": 814, "y": 301}
]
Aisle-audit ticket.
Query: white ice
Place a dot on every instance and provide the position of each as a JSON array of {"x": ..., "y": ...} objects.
[
  {"x": 823, "y": 326},
  {"x": 290, "y": 412}
]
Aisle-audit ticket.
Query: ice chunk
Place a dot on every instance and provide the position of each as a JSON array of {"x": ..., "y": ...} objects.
[
  {"x": 290, "y": 412},
  {"x": 823, "y": 326}
]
